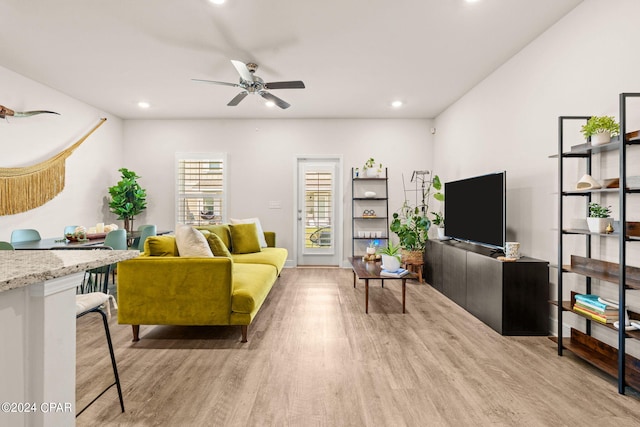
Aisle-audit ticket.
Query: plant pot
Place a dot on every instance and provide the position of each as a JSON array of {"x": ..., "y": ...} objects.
[
  {"x": 441, "y": 235},
  {"x": 601, "y": 138},
  {"x": 390, "y": 263},
  {"x": 371, "y": 173},
  {"x": 598, "y": 225},
  {"x": 412, "y": 257}
]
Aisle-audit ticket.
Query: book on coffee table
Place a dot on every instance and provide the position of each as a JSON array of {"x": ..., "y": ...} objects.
[{"x": 398, "y": 273}]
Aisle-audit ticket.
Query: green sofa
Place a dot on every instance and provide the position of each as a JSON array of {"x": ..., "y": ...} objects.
[{"x": 161, "y": 288}]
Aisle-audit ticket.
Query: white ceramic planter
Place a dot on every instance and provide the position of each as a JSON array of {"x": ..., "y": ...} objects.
[
  {"x": 598, "y": 225},
  {"x": 600, "y": 138},
  {"x": 390, "y": 263},
  {"x": 441, "y": 235},
  {"x": 372, "y": 173}
]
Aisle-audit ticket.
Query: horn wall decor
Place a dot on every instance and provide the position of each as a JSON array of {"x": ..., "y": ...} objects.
[
  {"x": 4, "y": 112},
  {"x": 26, "y": 188}
]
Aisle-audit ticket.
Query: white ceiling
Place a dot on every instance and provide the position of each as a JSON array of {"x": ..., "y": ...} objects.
[{"x": 355, "y": 56}]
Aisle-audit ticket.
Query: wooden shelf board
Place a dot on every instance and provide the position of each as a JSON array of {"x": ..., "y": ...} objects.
[
  {"x": 602, "y": 356},
  {"x": 566, "y": 306},
  {"x": 603, "y": 270}
]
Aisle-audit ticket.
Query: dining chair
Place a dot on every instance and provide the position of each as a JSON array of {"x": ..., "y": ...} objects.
[
  {"x": 97, "y": 279},
  {"x": 6, "y": 246},
  {"x": 25, "y": 235},
  {"x": 145, "y": 231}
]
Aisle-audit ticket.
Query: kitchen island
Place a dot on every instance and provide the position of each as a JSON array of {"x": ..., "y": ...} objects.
[{"x": 38, "y": 332}]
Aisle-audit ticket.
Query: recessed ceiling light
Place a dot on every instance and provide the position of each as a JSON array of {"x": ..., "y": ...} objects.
[
  {"x": 270, "y": 104},
  {"x": 396, "y": 104},
  {"x": 473, "y": 1},
  {"x": 218, "y": 2},
  {"x": 143, "y": 104}
]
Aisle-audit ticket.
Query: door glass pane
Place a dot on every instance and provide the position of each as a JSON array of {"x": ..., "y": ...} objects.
[{"x": 318, "y": 209}]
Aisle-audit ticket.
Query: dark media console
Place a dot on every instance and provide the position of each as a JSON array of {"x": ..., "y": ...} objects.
[{"x": 510, "y": 297}]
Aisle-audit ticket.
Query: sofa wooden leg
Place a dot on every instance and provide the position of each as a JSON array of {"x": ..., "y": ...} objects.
[
  {"x": 136, "y": 332},
  {"x": 244, "y": 332}
]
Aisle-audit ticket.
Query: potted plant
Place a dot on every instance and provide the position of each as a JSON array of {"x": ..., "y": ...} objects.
[
  {"x": 438, "y": 221},
  {"x": 128, "y": 199},
  {"x": 411, "y": 223},
  {"x": 370, "y": 168},
  {"x": 599, "y": 217},
  {"x": 600, "y": 129},
  {"x": 390, "y": 257}
]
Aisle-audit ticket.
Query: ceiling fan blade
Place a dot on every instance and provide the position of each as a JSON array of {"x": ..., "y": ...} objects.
[
  {"x": 242, "y": 69},
  {"x": 216, "y": 83},
  {"x": 239, "y": 97},
  {"x": 279, "y": 102},
  {"x": 297, "y": 84}
]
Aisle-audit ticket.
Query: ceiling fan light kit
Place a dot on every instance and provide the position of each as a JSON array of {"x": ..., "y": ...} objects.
[{"x": 252, "y": 84}]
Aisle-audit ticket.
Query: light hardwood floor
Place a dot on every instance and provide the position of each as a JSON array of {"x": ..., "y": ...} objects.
[{"x": 314, "y": 358}]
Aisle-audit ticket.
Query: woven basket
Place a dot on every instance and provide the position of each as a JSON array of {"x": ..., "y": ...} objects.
[{"x": 412, "y": 257}]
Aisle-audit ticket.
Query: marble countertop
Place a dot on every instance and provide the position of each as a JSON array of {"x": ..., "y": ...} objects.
[{"x": 23, "y": 268}]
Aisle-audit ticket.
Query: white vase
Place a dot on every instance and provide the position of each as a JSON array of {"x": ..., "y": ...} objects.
[
  {"x": 598, "y": 225},
  {"x": 441, "y": 235},
  {"x": 601, "y": 138},
  {"x": 390, "y": 263}
]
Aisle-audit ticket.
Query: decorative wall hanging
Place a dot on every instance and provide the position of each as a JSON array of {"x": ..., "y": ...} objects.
[
  {"x": 26, "y": 188},
  {"x": 4, "y": 112}
]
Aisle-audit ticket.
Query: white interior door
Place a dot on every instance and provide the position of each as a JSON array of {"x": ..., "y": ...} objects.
[{"x": 319, "y": 240}]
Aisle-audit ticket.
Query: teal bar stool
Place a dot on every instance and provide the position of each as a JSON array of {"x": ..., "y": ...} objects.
[
  {"x": 25, "y": 235},
  {"x": 6, "y": 246}
]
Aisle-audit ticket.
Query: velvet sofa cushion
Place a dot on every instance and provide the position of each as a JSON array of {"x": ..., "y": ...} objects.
[
  {"x": 217, "y": 245},
  {"x": 259, "y": 230},
  {"x": 244, "y": 238},
  {"x": 222, "y": 230},
  {"x": 251, "y": 285},
  {"x": 160, "y": 246},
  {"x": 269, "y": 256}
]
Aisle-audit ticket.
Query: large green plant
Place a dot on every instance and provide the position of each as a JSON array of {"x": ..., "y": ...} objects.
[
  {"x": 128, "y": 199},
  {"x": 411, "y": 223}
]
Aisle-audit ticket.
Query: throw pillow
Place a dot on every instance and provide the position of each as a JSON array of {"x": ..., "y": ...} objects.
[
  {"x": 192, "y": 243},
  {"x": 259, "y": 230},
  {"x": 244, "y": 238},
  {"x": 161, "y": 245},
  {"x": 217, "y": 245}
]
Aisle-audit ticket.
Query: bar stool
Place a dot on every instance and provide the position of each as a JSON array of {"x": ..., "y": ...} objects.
[{"x": 91, "y": 303}]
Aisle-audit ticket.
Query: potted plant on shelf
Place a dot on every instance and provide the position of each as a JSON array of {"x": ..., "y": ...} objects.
[
  {"x": 600, "y": 129},
  {"x": 411, "y": 223},
  {"x": 438, "y": 221},
  {"x": 599, "y": 217},
  {"x": 128, "y": 199},
  {"x": 390, "y": 257},
  {"x": 370, "y": 169}
]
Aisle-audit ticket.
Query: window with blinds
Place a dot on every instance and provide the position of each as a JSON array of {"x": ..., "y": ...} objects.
[
  {"x": 318, "y": 209},
  {"x": 201, "y": 195}
]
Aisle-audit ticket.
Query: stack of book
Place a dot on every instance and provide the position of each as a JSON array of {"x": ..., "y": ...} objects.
[
  {"x": 594, "y": 308},
  {"x": 398, "y": 273}
]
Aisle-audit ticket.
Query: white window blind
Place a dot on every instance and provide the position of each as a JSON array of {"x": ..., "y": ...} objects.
[{"x": 201, "y": 188}]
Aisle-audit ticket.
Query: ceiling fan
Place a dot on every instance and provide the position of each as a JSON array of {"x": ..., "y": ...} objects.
[{"x": 250, "y": 83}]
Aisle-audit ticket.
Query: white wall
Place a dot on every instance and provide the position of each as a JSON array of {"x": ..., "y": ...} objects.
[
  {"x": 261, "y": 159},
  {"x": 509, "y": 121},
  {"x": 90, "y": 169}
]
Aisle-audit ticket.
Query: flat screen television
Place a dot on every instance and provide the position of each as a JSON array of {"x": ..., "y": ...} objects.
[{"x": 475, "y": 209}]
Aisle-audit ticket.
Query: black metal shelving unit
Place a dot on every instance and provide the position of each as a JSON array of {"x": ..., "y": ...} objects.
[
  {"x": 610, "y": 359},
  {"x": 360, "y": 204}
]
